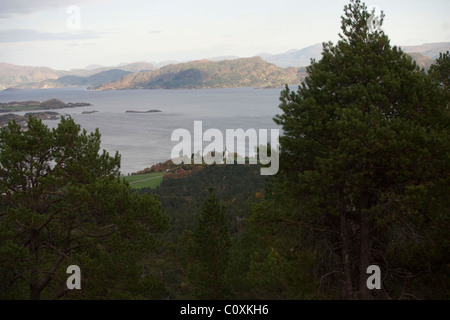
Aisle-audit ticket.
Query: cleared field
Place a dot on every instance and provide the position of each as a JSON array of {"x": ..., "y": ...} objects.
[{"x": 148, "y": 180}]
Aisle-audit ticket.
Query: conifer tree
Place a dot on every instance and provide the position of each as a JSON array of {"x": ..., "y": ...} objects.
[
  {"x": 440, "y": 71},
  {"x": 63, "y": 203},
  {"x": 210, "y": 251},
  {"x": 364, "y": 159}
]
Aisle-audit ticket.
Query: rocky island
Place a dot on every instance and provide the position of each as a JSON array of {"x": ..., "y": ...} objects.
[
  {"x": 38, "y": 105},
  {"x": 23, "y": 120},
  {"x": 32, "y": 105},
  {"x": 148, "y": 111}
]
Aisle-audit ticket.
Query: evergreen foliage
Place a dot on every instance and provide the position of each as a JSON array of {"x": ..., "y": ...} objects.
[
  {"x": 62, "y": 203},
  {"x": 364, "y": 166},
  {"x": 209, "y": 252},
  {"x": 363, "y": 180}
]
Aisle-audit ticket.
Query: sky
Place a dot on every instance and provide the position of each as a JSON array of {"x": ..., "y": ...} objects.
[{"x": 68, "y": 34}]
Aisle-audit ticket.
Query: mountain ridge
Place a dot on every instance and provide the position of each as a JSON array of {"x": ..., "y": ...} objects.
[
  {"x": 41, "y": 77},
  {"x": 77, "y": 81},
  {"x": 430, "y": 50},
  {"x": 302, "y": 57},
  {"x": 208, "y": 74}
]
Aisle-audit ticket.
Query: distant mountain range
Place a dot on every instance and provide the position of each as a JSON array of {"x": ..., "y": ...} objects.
[
  {"x": 431, "y": 50},
  {"x": 76, "y": 81},
  {"x": 424, "y": 55},
  {"x": 243, "y": 72},
  {"x": 228, "y": 71},
  {"x": 29, "y": 77},
  {"x": 294, "y": 58},
  {"x": 12, "y": 75}
]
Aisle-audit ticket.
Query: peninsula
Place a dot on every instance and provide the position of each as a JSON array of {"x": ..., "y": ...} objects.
[
  {"x": 27, "y": 106},
  {"x": 38, "y": 105}
]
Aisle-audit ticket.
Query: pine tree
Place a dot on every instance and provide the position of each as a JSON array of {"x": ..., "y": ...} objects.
[
  {"x": 364, "y": 157},
  {"x": 62, "y": 203},
  {"x": 210, "y": 249},
  {"x": 440, "y": 71}
]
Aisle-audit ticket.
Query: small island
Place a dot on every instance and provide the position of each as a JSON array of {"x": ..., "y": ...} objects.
[
  {"x": 23, "y": 120},
  {"x": 148, "y": 111},
  {"x": 26, "y": 106},
  {"x": 38, "y": 105}
]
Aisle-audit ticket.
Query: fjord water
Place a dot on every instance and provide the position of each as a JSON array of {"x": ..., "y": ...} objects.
[{"x": 144, "y": 139}]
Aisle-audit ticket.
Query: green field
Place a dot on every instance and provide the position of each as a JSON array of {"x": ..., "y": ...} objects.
[{"x": 148, "y": 180}]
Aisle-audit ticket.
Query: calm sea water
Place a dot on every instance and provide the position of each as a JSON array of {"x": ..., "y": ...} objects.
[{"x": 145, "y": 139}]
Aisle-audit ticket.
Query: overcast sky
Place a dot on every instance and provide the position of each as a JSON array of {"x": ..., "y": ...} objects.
[{"x": 109, "y": 32}]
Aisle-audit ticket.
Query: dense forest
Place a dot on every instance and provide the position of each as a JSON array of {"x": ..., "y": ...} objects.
[{"x": 363, "y": 181}]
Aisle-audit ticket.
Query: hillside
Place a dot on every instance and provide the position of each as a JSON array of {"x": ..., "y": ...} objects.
[
  {"x": 422, "y": 60},
  {"x": 12, "y": 75},
  {"x": 244, "y": 72},
  {"x": 182, "y": 194},
  {"x": 226, "y": 71},
  {"x": 137, "y": 67},
  {"x": 424, "y": 55},
  {"x": 430, "y": 50},
  {"x": 294, "y": 58},
  {"x": 30, "y": 77},
  {"x": 130, "y": 67},
  {"x": 76, "y": 81}
]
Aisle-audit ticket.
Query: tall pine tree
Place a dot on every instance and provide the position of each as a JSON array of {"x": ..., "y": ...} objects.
[
  {"x": 62, "y": 203},
  {"x": 365, "y": 157},
  {"x": 207, "y": 269}
]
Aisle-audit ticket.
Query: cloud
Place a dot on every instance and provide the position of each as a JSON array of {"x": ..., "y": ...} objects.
[
  {"x": 155, "y": 31},
  {"x": 27, "y": 35},
  {"x": 11, "y": 7},
  {"x": 86, "y": 44}
]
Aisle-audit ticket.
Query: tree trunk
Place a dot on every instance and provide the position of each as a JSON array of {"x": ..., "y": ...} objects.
[
  {"x": 346, "y": 257},
  {"x": 35, "y": 291},
  {"x": 364, "y": 248}
]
